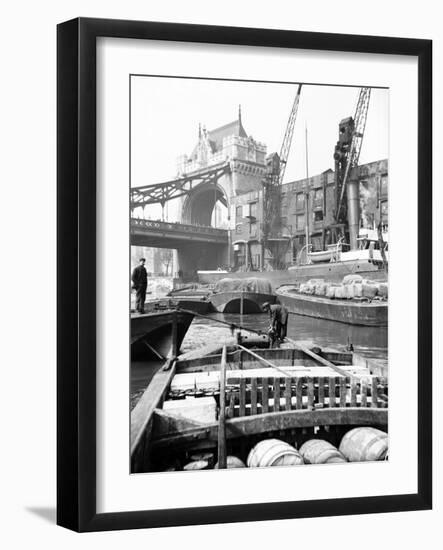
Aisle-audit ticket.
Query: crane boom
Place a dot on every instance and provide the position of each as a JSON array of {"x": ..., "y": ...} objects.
[
  {"x": 287, "y": 140},
  {"x": 276, "y": 166},
  {"x": 353, "y": 155}
]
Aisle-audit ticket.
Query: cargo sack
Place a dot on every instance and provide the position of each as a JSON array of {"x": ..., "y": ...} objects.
[
  {"x": 339, "y": 293},
  {"x": 330, "y": 291},
  {"x": 383, "y": 290},
  {"x": 314, "y": 282},
  {"x": 320, "y": 289},
  {"x": 369, "y": 290},
  {"x": 358, "y": 290},
  {"x": 350, "y": 291},
  {"x": 352, "y": 278}
]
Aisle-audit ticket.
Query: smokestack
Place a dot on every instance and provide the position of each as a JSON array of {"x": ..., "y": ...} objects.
[{"x": 353, "y": 209}]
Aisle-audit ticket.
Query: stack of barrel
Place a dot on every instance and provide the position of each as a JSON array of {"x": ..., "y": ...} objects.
[{"x": 361, "y": 444}]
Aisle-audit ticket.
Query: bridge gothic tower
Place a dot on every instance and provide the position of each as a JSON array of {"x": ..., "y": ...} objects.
[
  {"x": 220, "y": 178},
  {"x": 214, "y": 203}
]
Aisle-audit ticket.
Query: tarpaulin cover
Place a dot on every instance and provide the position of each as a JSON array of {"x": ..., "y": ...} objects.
[{"x": 252, "y": 284}]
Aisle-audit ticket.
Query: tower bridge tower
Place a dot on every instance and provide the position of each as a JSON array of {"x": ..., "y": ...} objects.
[{"x": 247, "y": 162}]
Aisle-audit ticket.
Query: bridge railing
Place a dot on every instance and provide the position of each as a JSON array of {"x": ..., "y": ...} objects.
[{"x": 158, "y": 225}]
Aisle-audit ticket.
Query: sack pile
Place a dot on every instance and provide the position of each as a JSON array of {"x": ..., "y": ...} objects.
[{"x": 353, "y": 286}]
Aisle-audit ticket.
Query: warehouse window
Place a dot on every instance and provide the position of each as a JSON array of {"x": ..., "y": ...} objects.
[
  {"x": 300, "y": 222},
  {"x": 253, "y": 210},
  {"x": 318, "y": 197},
  {"x": 318, "y": 215},
  {"x": 300, "y": 201}
]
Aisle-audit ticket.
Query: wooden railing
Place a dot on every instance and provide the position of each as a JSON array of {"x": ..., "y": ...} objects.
[{"x": 252, "y": 396}]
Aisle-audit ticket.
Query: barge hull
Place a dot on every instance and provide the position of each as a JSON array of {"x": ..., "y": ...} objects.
[
  {"x": 152, "y": 334},
  {"x": 363, "y": 314}
]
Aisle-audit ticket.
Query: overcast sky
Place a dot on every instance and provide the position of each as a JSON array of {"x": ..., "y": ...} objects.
[{"x": 166, "y": 113}]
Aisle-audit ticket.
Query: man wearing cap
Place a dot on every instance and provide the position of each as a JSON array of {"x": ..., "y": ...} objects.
[
  {"x": 279, "y": 321},
  {"x": 139, "y": 284}
]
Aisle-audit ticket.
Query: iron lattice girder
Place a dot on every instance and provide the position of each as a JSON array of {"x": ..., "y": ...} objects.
[
  {"x": 287, "y": 140},
  {"x": 163, "y": 192}
]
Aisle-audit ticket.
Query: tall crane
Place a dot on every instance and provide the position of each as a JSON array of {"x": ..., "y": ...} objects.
[
  {"x": 346, "y": 156},
  {"x": 276, "y": 167},
  {"x": 287, "y": 140}
]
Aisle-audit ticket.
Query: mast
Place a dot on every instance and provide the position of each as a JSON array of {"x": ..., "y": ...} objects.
[{"x": 307, "y": 190}]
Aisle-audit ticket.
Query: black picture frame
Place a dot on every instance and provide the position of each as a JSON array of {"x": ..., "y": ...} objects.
[{"x": 76, "y": 265}]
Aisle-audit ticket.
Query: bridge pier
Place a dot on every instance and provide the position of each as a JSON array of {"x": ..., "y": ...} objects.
[{"x": 201, "y": 256}]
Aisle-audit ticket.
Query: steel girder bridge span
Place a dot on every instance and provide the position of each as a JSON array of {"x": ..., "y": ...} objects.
[
  {"x": 161, "y": 193},
  {"x": 198, "y": 244},
  {"x": 162, "y": 234}
]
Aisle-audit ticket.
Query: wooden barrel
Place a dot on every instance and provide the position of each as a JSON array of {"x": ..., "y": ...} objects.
[
  {"x": 273, "y": 452},
  {"x": 319, "y": 451},
  {"x": 208, "y": 456},
  {"x": 232, "y": 462},
  {"x": 196, "y": 465},
  {"x": 364, "y": 444}
]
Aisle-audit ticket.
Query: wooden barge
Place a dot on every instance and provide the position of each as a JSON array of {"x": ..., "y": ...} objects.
[
  {"x": 227, "y": 401},
  {"x": 158, "y": 334},
  {"x": 237, "y": 301},
  {"x": 354, "y": 312},
  {"x": 190, "y": 298}
]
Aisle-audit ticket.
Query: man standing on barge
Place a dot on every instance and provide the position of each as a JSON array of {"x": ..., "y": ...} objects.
[
  {"x": 279, "y": 322},
  {"x": 140, "y": 284}
]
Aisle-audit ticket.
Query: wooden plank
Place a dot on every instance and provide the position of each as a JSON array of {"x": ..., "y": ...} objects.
[
  {"x": 263, "y": 360},
  {"x": 321, "y": 391},
  {"x": 288, "y": 395},
  {"x": 276, "y": 394},
  {"x": 317, "y": 357},
  {"x": 381, "y": 392},
  {"x": 275, "y": 421},
  {"x": 242, "y": 398},
  {"x": 310, "y": 393},
  {"x": 253, "y": 395},
  {"x": 165, "y": 423},
  {"x": 364, "y": 393},
  {"x": 374, "y": 392},
  {"x": 298, "y": 393},
  {"x": 343, "y": 389},
  {"x": 354, "y": 389},
  {"x": 151, "y": 399},
  {"x": 332, "y": 392},
  {"x": 153, "y": 350},
  {"x": 221, "y": 448},
  {"x": 231, "y": 408},
  {"x": 174, "y": 346},
  {"x": 265, "y": 395}
]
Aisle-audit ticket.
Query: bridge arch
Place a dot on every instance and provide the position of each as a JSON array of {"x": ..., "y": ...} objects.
[
  {"x": 198, "y": 206},
  {"x": 234, "y": 306}
]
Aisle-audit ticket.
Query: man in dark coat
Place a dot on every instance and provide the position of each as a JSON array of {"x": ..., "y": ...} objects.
[
  {"x": 279, "y": 321},
  {"x": 139, "y": 284}
]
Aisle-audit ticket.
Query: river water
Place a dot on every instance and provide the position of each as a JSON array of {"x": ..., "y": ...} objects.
[{"x": 368, "y": 341}]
